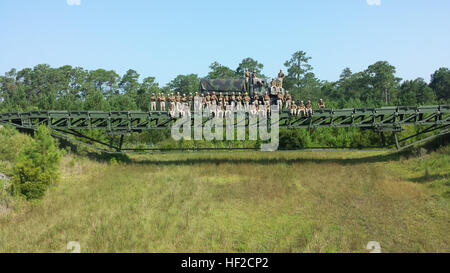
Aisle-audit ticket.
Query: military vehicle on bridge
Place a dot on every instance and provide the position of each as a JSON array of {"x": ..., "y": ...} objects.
[{"x": 238, "y": 85}]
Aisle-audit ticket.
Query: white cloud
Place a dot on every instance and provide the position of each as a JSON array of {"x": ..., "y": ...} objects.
[
  {"x": 373, "y": 2},
  {"x": 78, "y": 2}
]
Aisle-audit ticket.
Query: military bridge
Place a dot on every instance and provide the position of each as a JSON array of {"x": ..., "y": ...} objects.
[{"x": 434, "y": 119}]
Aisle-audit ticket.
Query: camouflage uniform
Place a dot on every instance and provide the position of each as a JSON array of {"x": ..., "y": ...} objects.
[
  {"x": 228, "y": 111},
  {"x": 172, "y": 107},
  {"x": 214, "y": 99},
  {"x": 226, "y": 99},
  {"x": 239, "y": 102},
  {"x": 203, "y": 98},
  {"x": 233, "y": 101},
  {"x": 302, "y": 109},
  {"x": 267, "y": 99},
  {"x": 253, "y": 108},
  {"x": 273, "y": 83},
  {"x": 162, "y": 102},
  {"x": 255, "y": 97},
  {"x": 190, "y": 100},
  {"x": 172, "y": 102},
  {"x": 153, "y": 103},
  {"x": 247, "y": 78},
  {"x": 262, "y": 110},
  {"x": 280, "y": 78},
  {"x": 288, "y": 99},
  {"x": 321, "y": 104},
  {"x": 280, "y": 101},
  {"x": 197, "y": 101},
  {"x": 208, "y": 100},
  {"x": 219, "y": 111},
  {"x": 293, "y": 109},
  {"x": 309, "y": 110},
  {"x": 178, "y": 102},
  {"x": 246, "y": 102}
]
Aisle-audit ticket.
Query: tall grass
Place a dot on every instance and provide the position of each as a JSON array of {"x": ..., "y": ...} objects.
[{"x": 237, "y": 202}]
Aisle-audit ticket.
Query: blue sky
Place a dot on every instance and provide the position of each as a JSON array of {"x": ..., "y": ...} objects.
[{"x": 166, "y": 38}]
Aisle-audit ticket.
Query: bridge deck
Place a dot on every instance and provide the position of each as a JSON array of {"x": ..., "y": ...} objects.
[{"x": 386, "y": 118}]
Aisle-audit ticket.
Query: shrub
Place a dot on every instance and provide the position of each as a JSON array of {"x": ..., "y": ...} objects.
[
  {"x": 36, "y": 166},
  {"x": 11, "y": 143},
  {"x": 294, "y": 139}
]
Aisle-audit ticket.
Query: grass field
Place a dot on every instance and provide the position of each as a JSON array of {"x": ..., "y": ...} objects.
[{"x": 241, "y": 202}]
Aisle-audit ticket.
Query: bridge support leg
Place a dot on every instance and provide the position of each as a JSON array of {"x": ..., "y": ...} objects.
[
  {"x": 383, "y": 139},
  {"x": 111, "y": 142},
  {"x": 396, "y": 141},
  {"x": 120, "y": 143}
]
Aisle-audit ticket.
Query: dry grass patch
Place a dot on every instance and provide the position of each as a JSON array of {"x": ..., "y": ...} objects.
[{"x": 233, "y": 202}]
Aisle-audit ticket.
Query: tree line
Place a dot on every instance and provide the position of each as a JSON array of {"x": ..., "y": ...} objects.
[{"x": 74, "y": 88}]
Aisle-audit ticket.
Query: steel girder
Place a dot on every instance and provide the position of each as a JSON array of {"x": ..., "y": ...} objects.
[
  {"x": 65, "y": 123},
  {"x": 123, "y": 122}
]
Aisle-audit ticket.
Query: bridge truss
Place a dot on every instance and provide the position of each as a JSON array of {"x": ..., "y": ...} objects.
[{"x": 64, "y": 123}]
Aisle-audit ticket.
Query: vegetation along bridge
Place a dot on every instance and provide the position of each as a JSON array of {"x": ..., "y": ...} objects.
[{"x": 432, "y": 118}]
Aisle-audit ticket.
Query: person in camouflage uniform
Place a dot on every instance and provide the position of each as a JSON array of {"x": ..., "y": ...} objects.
[
  {"x": 197, "y": 101},
  {"x": 321, "y": 104},
  {"x": 153, "y": 103},
  {"x": 239, "y": 102},
  {"x": 178, "y": 101},
  {"x": 219, "y": 110},
  {"x": 233, "y": 101},
  {"x": 280, "y": 99},
  {"x": 253, "y": 108},
  {"x": 172, "y": 107},
  {"x": 228, "y": 111},
  {"x": 190, "y": 100},
  {"x": 273, "y": 83},
  {"x": 293, "y": 108},
  {"x": 220, "y": 98},
  {"x": 172, "y": 102},
  {"x": 253, "y": 81},
  {"x": 309, "y": 110},
  {"x": 246, "y": 102},
  {"x": 208, "y": 100},
  {"x": 288, "y": 100},
  {"x": 247, "y": 78},
  {"x": 262, "y": 110},
  {"x": 281, "y": 77},
  {"x": 203, "y": 98},
  {"x": 162, "y": 102},
  {"x": 214, "y": 99},
  {"x": 255, "y": 97},
  {"x": 226, "y": 99},
  {"x": 302, "y": 109},
  {"x": 267, "y": 99}
]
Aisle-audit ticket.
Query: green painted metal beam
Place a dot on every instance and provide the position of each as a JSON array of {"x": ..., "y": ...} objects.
[{"x": 122, "y": 122}]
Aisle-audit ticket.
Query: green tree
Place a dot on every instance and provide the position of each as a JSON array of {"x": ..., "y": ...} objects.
[
  {"x": 297, "y": 68},
  {"x": 381, "y": 77},
  {"x": 185, "y": 84},
  {"x": 416, "y": 92},
  {"x": 440, "y": 82},
  {"x": 107, "y": 81},
  {"x": 69, "y": 93},
  {"x": 37, "y": 165},
  {"x": 219, "y": 71},
  {"x": 251, "y": 65}
]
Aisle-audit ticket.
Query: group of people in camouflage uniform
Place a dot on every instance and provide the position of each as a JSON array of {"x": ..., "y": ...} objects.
[
  {"x": 225, "y": 103},
  {"x": 222, "y": 104}
]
